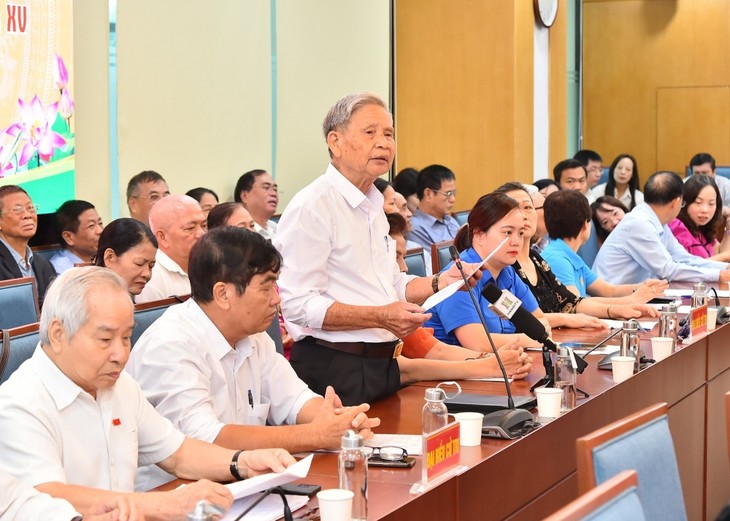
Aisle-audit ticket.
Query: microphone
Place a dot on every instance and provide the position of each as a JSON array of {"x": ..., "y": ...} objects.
[
  {"x": 507, "y": 304},
  {"x": 507, "y": 423}
]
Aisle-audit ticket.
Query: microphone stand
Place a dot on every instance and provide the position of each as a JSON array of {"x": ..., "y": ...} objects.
[{"x": 511, "y": 415}]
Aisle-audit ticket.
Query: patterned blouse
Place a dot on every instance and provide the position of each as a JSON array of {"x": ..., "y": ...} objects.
[{"x": 550, "y": 293}]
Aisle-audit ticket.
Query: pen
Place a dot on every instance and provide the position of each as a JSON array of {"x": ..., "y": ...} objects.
[{"x": 250, "y": 398}]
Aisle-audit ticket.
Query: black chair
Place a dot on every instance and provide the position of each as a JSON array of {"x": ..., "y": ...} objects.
[
  {"x": 17, "y": 346},
  {"x": 18, "y": 302},
  {"x": 416, "y": 262},
  {"x": 440, "y": 255},
  {"x": 148, "y": 312}
]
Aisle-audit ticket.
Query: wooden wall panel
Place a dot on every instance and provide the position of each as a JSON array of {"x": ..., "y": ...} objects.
[
  {"x": 464, "y": 90},
  {"x": 634, "y": 48}
]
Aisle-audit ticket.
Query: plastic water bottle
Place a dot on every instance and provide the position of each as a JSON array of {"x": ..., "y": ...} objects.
[
  {"x": 435, "y": 414},
  {"x": 565, "y": 379},
  {"x": 353, "y": 472}
]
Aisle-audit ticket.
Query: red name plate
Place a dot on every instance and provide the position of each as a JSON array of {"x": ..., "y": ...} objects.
[
  {"x": 442, "y": 450},
  {"x": 698, "y": 320}
]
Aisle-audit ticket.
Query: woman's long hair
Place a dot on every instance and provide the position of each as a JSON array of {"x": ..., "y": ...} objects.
[
  {"x": 692, "y": 189},
  {"x": 633, "y": 182}
]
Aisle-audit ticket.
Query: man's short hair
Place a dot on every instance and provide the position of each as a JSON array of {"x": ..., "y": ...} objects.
[
  {"x": 341, "y": 112},
  {"x": 406, "y": 182},
  {"x": 566, "y": 213},
  {"x": 701, "y": 159},
  {"x": 398, "y": 225},
  {"x": 662, "y": 188},
  {"x": 67, "y": 217},
  {"x": 67, "y": 298},
  {"x": 8, "y": 190},
  {"x": 431, "y": 177},
  {"x": 146, "y": 176},
  {"x": 232, "y": 255},
  {"x": 566, "y": 164},
  {"x": 245, "y": 183},
  {"x": 585, "y": 155}
]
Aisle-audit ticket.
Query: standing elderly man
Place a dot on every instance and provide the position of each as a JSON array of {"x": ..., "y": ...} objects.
[
  {"x": 177, "y": 222},
  {"x": 259, "y": 194},
  {"x": 642, "y": 246},
  {"x": 75, "y": 425},
  {"x": 345, "y": 301},
  {"x": 18, "y": 224},
  {"x": 145, "y": 190}
]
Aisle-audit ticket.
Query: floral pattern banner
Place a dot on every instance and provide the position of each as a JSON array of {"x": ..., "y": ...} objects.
[{"x": 36, "y": 99}]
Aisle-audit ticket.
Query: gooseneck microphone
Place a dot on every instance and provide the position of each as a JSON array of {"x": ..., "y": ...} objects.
[{"x": 506, "y": 423}]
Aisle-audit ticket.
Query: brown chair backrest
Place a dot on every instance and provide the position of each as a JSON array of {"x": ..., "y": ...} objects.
[{"x": 597, "y": 497}]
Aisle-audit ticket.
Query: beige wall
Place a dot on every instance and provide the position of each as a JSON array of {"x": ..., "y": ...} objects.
[
  {"x": 657, "y": 80},
  {"x": 194, "y": 88}
]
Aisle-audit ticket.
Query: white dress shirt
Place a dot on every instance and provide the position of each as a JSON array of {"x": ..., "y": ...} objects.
[
  {"x": 625, "y": 198},
  {"x": 21, "y": 502},
  {"x": 168, "y": 279},
  {"x": 65, "y": 260},
  {"x": 267, "y": 233},
  {"x": 640, "y": 247},
  {"x": 336, "y": 248},
  {"x": 52, "y": 430}
]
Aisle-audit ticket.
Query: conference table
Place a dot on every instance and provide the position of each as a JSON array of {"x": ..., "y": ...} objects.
[{"x": 531, "y": 477}]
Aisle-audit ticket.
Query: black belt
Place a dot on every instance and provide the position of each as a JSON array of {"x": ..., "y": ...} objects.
[{"x": 364, "y": 349}]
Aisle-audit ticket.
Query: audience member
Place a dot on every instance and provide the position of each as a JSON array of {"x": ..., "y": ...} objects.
[
  {"x": 347, "y": 304},
  {"x": 406, "y": 184},
  {"x": 593, "y": 163},
  {"x": 623, "y": 182},
  {"x": 570, "y": 174},
  {"x": 230, "y": 214},
  {"x": 432, "y": 221},
  {"x": 494, "y": 230},
  {"x": 209, "y": 367},
  {"x": 704, "y": 163},
  {"x": 607, "y": 213},
  {"x": 402, "y": 208},
  {"x": 453, "y": 362},
  {"x": 546, "y": 186},
  {"x": 75, "y": 425},
  {"x": 385, "y": 188},
  {"x": 18, "y": 224},
  {"x": 568, "y": 220},
  {"x": 79, "y": 227},
  {"x": 259, "y": 194},
  {"x": 643, "y": 246},
  {"x": 207, "y": 199},
  {"x": 552, "y": 296},
  {"x": 128, "y": 248},
  {"x": 540, "y": 238},
  {"x": 177, "y": 222},
  {"x": 144, "y": 190},
  {"x": 699, "y": 219}
]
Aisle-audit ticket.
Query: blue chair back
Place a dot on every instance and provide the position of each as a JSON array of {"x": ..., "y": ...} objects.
[
  {"x": 724, "y": 171},
  {"x": 440, "y": 255},
  {"x": 416, "y": 262},
  {"x": 18, "y": 302},
  {"x": 18, "y": 345},
  {"x": 47, "y": 251},
  {"x": 146, "y": 313},
  {"x": 461, "y": 217},
  {"x": 641, "y": 442},
  {"x": 274, "y": 331}
]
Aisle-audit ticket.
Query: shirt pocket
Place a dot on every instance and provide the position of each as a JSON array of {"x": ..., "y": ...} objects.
[{"x": 258, "y": 414}]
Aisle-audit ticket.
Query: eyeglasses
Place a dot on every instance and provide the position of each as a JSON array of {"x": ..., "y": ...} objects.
[
  {"x": 20, "y": 209},
  {"x": 386, "y": 453},
  {"x": 449, "y": 194},
  {"x": 266, "y": 187},
  {"x": 153, "y": 197},
  {"x": 538, "y": 208}
]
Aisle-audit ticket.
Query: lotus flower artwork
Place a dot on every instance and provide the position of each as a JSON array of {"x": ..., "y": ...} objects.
[{"x": 43, "y": 133}]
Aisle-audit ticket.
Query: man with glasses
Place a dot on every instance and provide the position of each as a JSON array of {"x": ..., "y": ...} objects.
[
  {"x": 18, "y": 224},
  {"x": 592, "y": 161},
  {"x": 432, "y": 222},
  {"x": 143, "y": 191},
  {"x": 259, "y": 194}
]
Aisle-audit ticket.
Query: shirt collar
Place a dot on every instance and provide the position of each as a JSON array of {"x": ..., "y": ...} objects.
[
  {"x": 645, "y": 209},
  {"x": 166, "y": 262},
  {"x": 430, "y": 219},
  {"x": 61, "y": 388},
  {"x": 18, "y": 259},
  {"x": 572, "y": 256},
  {"x": 217, "y": 342},
  {"x": 350, "y": 192}
]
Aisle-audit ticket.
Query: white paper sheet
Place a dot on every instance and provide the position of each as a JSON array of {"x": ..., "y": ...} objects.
[
  {"x": 255, "y": 484},
  {"x": 413, "y": 443}
]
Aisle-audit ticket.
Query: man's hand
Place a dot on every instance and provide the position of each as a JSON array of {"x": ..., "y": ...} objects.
[
  {"x": 332, "y": 420},
  {"x": 183, "y": 500},
  {"x": 649, "y": 289},
  {"x": 402, "y": 318},
  {"x": 263, "y": 461},
  {"x": 120, "y": 508},
  {"x": 516, "y": 362}
]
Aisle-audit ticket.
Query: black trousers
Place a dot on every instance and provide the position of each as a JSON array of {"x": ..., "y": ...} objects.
[{"x": 356, "y": 379}]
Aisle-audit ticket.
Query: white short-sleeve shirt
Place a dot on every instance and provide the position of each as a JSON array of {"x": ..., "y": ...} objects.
[{"x": 168, "y": 280}]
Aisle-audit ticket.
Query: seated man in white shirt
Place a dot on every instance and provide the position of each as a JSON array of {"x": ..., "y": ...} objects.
[
  {"x": 259, "y": 194},
  {"x": 208, "y": 366},
  {"x": 75, "y": 425},
  {"x": 79, "y": 228},
  {"x": 178, "y": 222}
]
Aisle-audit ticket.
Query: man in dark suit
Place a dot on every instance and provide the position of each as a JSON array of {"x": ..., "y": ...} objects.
[{"x": 18, "y": 223}]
